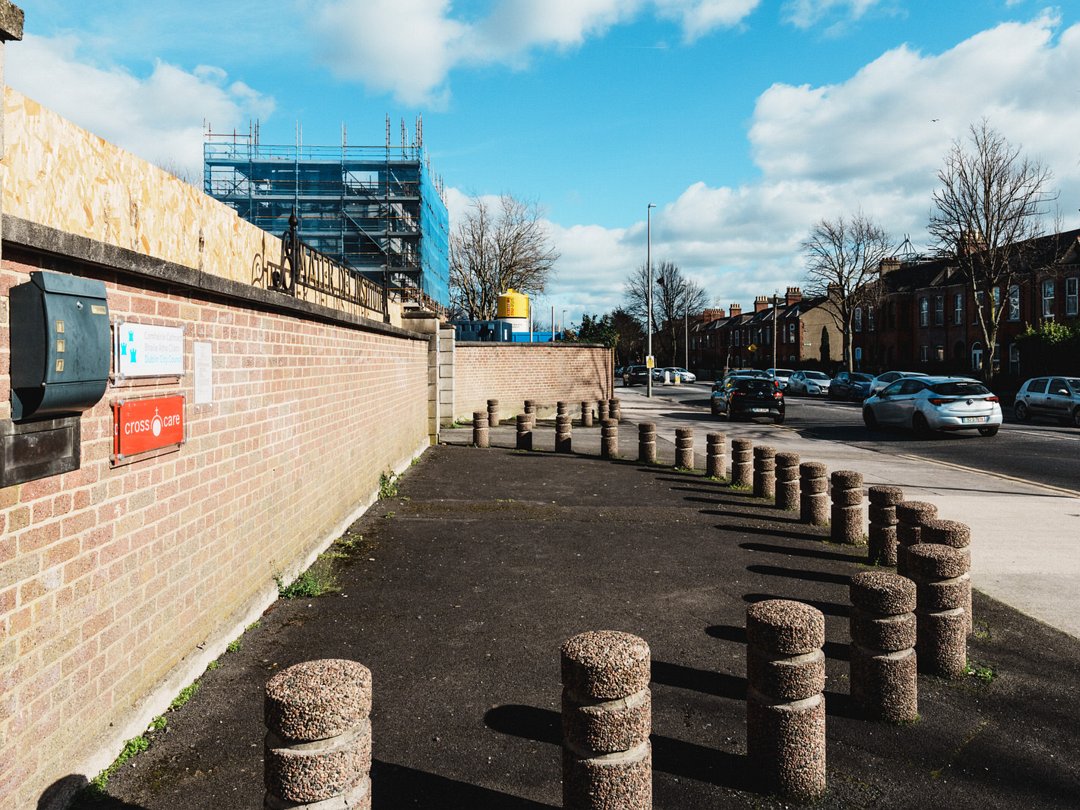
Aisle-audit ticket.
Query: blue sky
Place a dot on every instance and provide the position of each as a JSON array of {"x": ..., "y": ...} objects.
[{"x": 744, "y": 121}]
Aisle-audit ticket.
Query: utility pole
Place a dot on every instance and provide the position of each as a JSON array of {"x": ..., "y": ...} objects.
[
  {"x": 775, "y": 319},
  {"x": 648, "y": 296}
]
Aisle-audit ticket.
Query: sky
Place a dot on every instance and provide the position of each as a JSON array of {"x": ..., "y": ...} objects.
[{"x": 745, "y": 122}]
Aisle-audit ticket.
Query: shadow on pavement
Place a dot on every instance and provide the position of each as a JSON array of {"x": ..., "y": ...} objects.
[
  {"x": 800, "y": 573},
  {"x": 813, "y": 553},
  {"x": 399, "y": 786}
]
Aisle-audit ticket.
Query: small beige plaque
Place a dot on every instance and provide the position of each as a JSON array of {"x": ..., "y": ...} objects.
[
  {"x": 60, "y": 346},
  {"x": 98, "y": 309},
  {"x": 60, "y": 365},
  {"x": 59, "y": 327}
]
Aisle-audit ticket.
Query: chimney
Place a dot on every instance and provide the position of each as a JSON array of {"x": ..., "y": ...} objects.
[
  {"x": 735, "y": 310},
  {"x": 889, "y": 265},
  {"x": 710, "y": 315},
  {"x": 761, "y": 303},
  {"x": 793, "y": 296}
]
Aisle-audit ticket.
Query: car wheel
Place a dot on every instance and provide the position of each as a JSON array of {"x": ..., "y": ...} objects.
[
  {"x": 778, "y": 419},
  {"x": 988, "y": 431},
  {"x": 715, "y": 411},
  {"x": 1020, "y": 410},
  {"x": 1076, "y": 418},
  {"x": 869, "y": 419},
  {"x": 920, "y": 425}
]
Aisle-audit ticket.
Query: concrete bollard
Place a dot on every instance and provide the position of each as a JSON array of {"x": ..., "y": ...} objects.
[
  {"x": 601, "y": 410},
  {"x": 765, "y": 472},
  {"x": 813, "y": 494},
  {"x": 787, "y": 482},
  {"x": 606, "y": 721},
  {"x": 910, "y": 516},
  {"x": 883, "y": 501},
  {"x": 715, "y": 451},
  {"x": 609, "y": 439},
  {"x": 941, "y": 580},
  {"x": 318, "y": 743},
  {"x": 530, "y": 411},
  {"x": 586, "y": 413},
  {"x": 684, "y": 448},
  {"x": 884, "y": 675},
  {"x": 785, "y": 707},
  {"x": 493, "y": 412},
  {"x": 847, "y": 512},
  {"x": 646, "y": 442},
  {"x": 563, "y": 433},
  {"x": 480, "y": 429},
  {"x": 742, "y": 463},
  {"x": 956, "y": 535},
  {"x": 524, "y": 432},
  {"x": 615, "y": 409},
  {"x": 560, "y": 408}
]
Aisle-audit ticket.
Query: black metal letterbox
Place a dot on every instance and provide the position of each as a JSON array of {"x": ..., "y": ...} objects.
[{"x": 59, "y": 345}]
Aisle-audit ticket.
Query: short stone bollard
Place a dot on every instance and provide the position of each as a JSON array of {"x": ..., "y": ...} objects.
[
  {"x": 956, "y": 535},
  {"x": 787, "y": 482},
  {"x": 765, "y": 472},
  {"x": 847, "y": 512},
  {"x": 785, "y": 707},
  {"x": 742, "y": 463},
  {"x": 615, "y": 409},
  {"x": 524, "y": 432},
  {"x": 884, "y": 675},
  {"x": 606, "y": 721},
  {"x": 586, "y": 413},
  {"x": 530, "y": 411},
  {"x": 646, "y": 442},
  {"x": 684, "y": 448},
  {"x": 813, "y": 493},
  {"x": 493, "y": 412},
  {"x": 560, "y": 408},
  {"x": 480, "y": 429},
  {"x": 882, "y": 547},
  {"x": 318, "y": 743},
  {"x": 715, "y": 452},
  {"x": 910, "y": 516},
  {"x": 609, "y": 439},
  {"x": 941, "y": 580},
  {"x": 564, "y": 427},
  {"x": 601, "y": 410}
]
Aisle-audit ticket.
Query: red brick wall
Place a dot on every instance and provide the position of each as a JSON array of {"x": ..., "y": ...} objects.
[
  {"x": 110, "y": 576},
  {"x": 514, "y": 372}
]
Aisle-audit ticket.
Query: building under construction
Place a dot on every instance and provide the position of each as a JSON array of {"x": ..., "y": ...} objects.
[{"x": 377, "y": 210}]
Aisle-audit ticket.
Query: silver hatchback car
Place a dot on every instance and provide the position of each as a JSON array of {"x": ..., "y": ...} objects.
[
  {"x": 1053, "y": 397},
  {"x": 924, "y": 404}
]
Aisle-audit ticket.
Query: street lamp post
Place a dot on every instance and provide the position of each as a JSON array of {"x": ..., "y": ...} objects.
[
  {"x": 686, "y": 334},
  {"x": 648, "y": 295}
]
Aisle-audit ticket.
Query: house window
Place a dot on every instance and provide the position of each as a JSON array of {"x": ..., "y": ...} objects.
[
  {"x": 958, "y": 308},
  {"x": 924, "y": 312},
  {"x": 1048, "y": 298},
  {"x": 1013, "y": 313},
  {"x": 975, "y": 310},
  {"x": 857, "y": 320},
  {"x": 792, "y": 335},
  {"x": 1072, "y": 297},
  {"x": 939, "y": 354},
  {"x": 870, "y": 319},
  {"x": 1014, "y": 358},
  {"x": 939, "y": 310},
  {"x": 976, "y": 356},
  {"x": 995, "y": 296},
  {"x": 924, "y": 353},
  {"x": 735, "y": 334}
]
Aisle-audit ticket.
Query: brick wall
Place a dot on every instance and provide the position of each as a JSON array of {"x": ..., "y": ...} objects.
[
  {"x": 119, "y": 583},
  {"x": 514, "y": 372}
]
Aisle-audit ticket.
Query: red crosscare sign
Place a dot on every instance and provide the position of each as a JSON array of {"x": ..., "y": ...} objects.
[{"x": 147, "y": 424}]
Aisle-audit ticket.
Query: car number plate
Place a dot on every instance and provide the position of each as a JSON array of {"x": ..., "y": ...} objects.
[
  {"x": 972, "y": 420},
  {"x": 759, "y": 410}
]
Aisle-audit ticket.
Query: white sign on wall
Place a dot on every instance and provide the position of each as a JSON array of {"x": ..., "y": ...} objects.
[
  {"x": 204, "y": 373},
  {"x": 149, "y": 351}
]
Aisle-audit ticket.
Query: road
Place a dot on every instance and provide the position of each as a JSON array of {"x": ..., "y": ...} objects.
[{"x": 1042, "y": 453}]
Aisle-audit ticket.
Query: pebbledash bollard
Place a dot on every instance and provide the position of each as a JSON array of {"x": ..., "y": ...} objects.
[
  {"x": 785, "y": 704},
  {"x": 493, "y": 413},
  {"x": 646, "y": 442},
  {"x": 560, "y": 408},
  {"x": 910, "y": 516},
  {"x": 480, "y": 429},
  {"x": 884, "y": 675},
  {"x": 318, "y": 743},
  {"x": 530, "y": 411},
  {"x": 764, "y": 472},
  {"x": 941, "y": 581},
  {"x": 813, "y": 493},
  {"x": 715, "y": 451},
  {"x": 882, "y": 547},
  {"x": 787, "y": 482},
  {"x": 563, "y": 433},
  {"x": 847, "y": 511},
  {"x": 615, "y": 409},
  {"x": 601, "y": 410},
  {"x": 609, "y": 439},
  {"x": 586, "y": 413},
  {"x": 524, "y": 432},
  {"x": 742, "y": 463},
  {"x": 684, "y": 448},
  {"x": 956, "y": 535},
  {"x": 606, "y": 721}
]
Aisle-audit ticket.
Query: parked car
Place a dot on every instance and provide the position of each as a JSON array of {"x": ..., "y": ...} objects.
[
  {"x": 808, "y": 383},
  {"x": 748, "y": 397},
  {"x": 635, "y": 375},
  {"x": 619, "y": 370},
  {"x": 747, "y": 372},
  {"x": 781, "y": 375},
  {"x": 1052, "y": 397},
  {"x": 881, "y": 381},
  {"x": 924, "y": 404},
  {"x": 684, "y": 375},
  {"x": 850, "y": 385}
]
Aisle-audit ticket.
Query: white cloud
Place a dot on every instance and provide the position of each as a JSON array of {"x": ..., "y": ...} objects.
[
  {"x": 158, "y": 117},
  {"x": 808, "y": 13}
]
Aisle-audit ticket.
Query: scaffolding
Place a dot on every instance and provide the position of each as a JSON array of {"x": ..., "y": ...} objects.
[{"x": 378, "y": 211}]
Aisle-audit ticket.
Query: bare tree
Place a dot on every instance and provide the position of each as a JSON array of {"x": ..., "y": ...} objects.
[
  {"x": 843, "y": 262},
  {"x": 674, "y": 297},
  {"x": 496, "y": 248},
  {"x": 987, "y": 213}
]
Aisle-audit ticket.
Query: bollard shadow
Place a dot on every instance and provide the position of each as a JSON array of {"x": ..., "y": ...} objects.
[
  {"x": 795, "y": 551},
  {"x": 699, "y": 680},
  {"x": 72, "y": 792},
  {"x": 780, "y": 531},
  {"x": 400, "y": 786},
  {"x": 800, "y": 573},
  {"x": 835, "y": 650}
]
